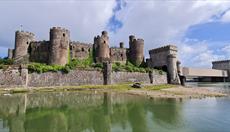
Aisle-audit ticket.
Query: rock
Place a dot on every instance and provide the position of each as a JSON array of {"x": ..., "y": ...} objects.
[{"x": 137, "y": 85}]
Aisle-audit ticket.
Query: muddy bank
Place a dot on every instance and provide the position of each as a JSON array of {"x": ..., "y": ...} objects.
[{"x": 178, "y": 93}]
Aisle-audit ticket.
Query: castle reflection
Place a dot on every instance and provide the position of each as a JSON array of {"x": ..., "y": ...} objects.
[{"x": 86, "y": 111}]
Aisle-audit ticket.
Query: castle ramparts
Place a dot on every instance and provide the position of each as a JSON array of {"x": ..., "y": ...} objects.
[{"x": 59, "y": 48}]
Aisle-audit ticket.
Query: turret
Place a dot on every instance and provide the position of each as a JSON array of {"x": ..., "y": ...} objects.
[
  {"x": 172, "y": 67},
  {"x": 10, "y": 53},
  {"x": 122, "y": 45},
  {"x": 136, "y": 50},
  {"x": 22, "y": 41},
  {"x": 101, "y": 47},
  {"x": 59, "y": 46}
]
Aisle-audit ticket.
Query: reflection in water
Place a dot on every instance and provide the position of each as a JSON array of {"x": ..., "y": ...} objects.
[
  {"x": 81, "y": 111},
  {"x": 220, "y": 86}
]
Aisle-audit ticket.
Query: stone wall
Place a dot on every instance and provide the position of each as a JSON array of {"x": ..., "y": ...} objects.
[
  {"x": 21, "y": 78},
  {"x": 39, "y": 51},
  {"x": 73, "y": 78},
  {"x": 124, "y": 77},
  {"x": 13, "y": 78},
  {"x": 80, "y": 50},
  {"x": 118, "y": 55},
  {"x": 159, "y": 56}
]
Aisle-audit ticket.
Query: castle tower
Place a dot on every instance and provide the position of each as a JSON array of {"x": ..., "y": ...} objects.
[
  {"x": 122, "y": 45},
  {"x": 101, "y": 47},
  {"x": 10, "y": 53},
  {"x": 22, "y": 41},
  {"x": 136, "y": 50},
  {"x": 59, "y": 46},
  {"x": 173, "y": 77}
]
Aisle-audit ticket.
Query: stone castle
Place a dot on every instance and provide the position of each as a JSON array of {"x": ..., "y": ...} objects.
[{"x": 59, "y": 49}]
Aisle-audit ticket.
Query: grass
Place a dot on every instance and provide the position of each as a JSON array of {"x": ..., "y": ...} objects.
[
  {"x": 159, "y": 87},
  {"x": 115, "y": 87},
  {"x": 120, "y": 88},
  {"x": 73, "y": 64},
  {"x": 129, "y": 67}
]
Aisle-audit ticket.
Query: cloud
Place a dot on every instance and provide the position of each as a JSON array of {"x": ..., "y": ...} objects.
[
  {"x": 166, "y": 22},
  {"x": 198, "y": 54},
  {"x": 157, "y": 22},
  {"x": 226, "y": 17},
  {"x": 84, "y": 19}
]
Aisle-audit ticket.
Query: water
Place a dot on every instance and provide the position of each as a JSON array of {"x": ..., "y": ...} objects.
[{"x": 111, "y": 112}]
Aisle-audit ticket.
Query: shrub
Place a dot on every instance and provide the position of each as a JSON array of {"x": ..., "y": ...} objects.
[
  {"x": 6, "y": 61},
  {"x": 41, "y": 68},
  {"x": 97, "y": 65}
]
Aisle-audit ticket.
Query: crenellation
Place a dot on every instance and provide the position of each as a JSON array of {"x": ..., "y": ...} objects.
[
  {"x": 165, "y": 58},
  {"x": 136, "y": 50},
  {"x": 79, "y": 50},
  {"x": 164, "y": 48},
  {"x": 59, "y": 48}
]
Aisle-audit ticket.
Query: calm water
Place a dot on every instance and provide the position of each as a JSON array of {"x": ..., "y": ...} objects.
[{"x": 110, "y": 112}]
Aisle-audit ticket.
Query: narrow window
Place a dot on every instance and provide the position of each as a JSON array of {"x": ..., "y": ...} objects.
[{"x": 63, "y": 35}]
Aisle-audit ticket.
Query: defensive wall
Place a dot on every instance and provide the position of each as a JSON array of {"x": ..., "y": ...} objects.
[
  {"x": 21, "y": 78},
  {"x": 59, "y": 48}
]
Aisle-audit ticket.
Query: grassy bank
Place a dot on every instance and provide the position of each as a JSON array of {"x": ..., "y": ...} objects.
[
  {"x": 150, "y": 91},
  {"x": 116, "y": 87}
]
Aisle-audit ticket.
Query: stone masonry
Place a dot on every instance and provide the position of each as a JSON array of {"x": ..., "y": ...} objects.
[
  {"x": 165, "y": 58},
  {"x": 59, "y": 49}
]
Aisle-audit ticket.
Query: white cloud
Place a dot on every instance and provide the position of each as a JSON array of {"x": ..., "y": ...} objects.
[
  {"x": 84, "y": 19},
  {"x": 226, "y": 51},
  {"x": 157, "y": 22},
  {"x": 226, "y": 17},
  {"x": 198, "y": 55},
  {"x": 165, "y": 22}
]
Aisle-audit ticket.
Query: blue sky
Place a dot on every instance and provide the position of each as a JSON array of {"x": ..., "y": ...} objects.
[{"x": 198, "y": 28}]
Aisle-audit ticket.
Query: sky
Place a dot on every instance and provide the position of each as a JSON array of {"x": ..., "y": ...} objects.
[{"x": 199, "y": 28}]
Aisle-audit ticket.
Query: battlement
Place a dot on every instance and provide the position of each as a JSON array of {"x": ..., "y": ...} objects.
[
  {"x": 221, "y": 61},
  {"x": 132, "y": 37},
  {"x": 105, "y": 33},
  {"x": 164, "y": 48},
  {"x": 139, "y": 40},
  {"x": 80, "y": 43},
  {"x": 25, "y": 33},
  {"x": 55, "y": 29}
]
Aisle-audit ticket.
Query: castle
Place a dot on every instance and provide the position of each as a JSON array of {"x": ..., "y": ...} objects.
[{"x": 59, "y": 49}]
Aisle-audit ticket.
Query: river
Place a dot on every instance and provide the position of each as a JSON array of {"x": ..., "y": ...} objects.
[{"x": 111, "y": 112}]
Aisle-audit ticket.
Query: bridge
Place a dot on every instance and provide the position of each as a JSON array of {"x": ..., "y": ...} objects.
[
  {"x": 199, "y": 72},
  {"x": 204, "y": 74}
]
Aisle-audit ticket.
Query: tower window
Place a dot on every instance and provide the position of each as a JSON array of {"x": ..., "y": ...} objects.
[
  {"x": 82, "y": 49},
  {"x": 104, "y": 42},
  {"x": 63, "y": 34},
  {"x": 27, "y": 42}
]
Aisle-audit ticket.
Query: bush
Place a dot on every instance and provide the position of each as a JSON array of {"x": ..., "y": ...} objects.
[
  {"x": 97, "y": 65},
  {"x": 41, "y": 68},
  {"x": 6, "y": 61},
  {"x": 84, "y": 63}
]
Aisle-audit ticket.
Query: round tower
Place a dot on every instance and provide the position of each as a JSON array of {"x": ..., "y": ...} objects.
[
  {"x": 173, "y": 77},
  {"x": 122, "y": 45},
  {"x": 136, "y": 51},
  {"x": 101, "y": 45},
  {"x": 59, "y": 46},
  {"x": 22, "y": 41}
]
